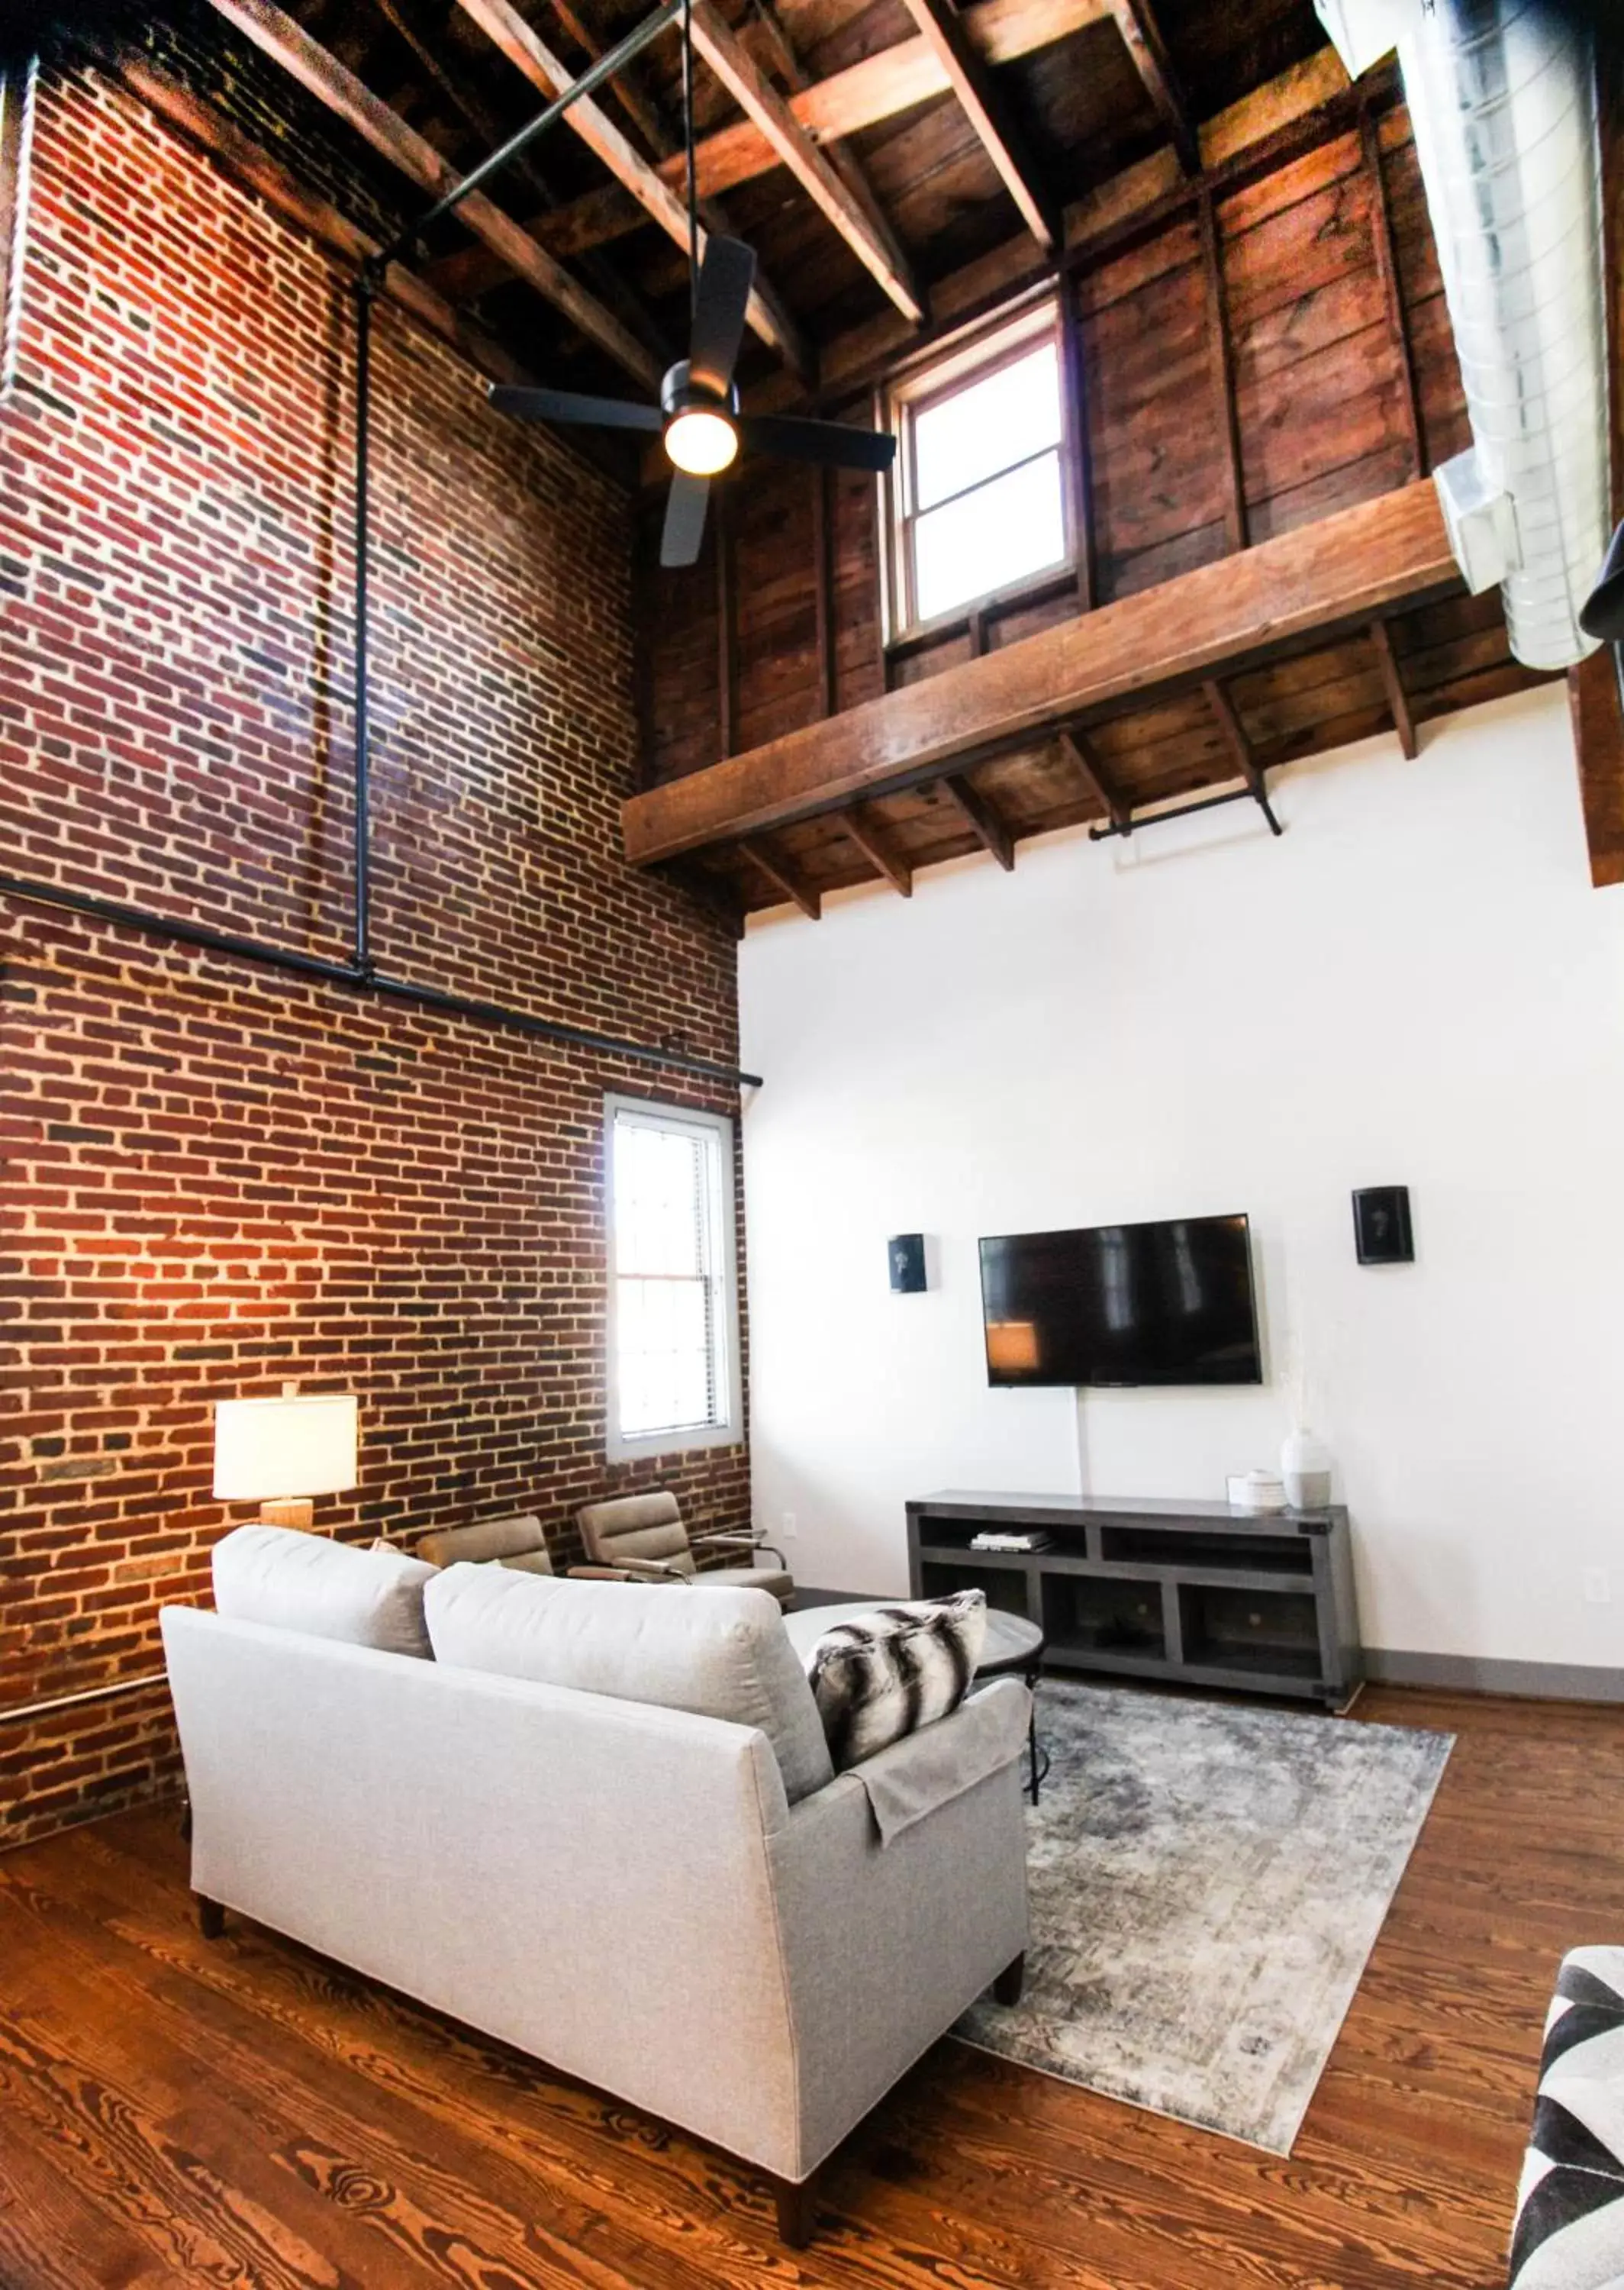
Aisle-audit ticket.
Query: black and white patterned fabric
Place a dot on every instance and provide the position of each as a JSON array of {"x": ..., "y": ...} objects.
[
  {"x": 894, "y": 1668},
  {"x": 1570, "y": 2222}
]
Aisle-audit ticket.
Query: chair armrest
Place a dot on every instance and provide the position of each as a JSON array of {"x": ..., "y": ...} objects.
[
  {"x": 755, "y": 1539},
  {"x": 629, "y": 1570}
]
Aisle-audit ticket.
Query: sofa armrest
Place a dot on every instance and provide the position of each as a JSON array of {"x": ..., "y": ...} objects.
[{"x": 907, "y": 1782}]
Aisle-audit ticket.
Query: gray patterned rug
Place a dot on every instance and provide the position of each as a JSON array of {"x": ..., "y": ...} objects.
[{"x": 1207, "y": 1880}]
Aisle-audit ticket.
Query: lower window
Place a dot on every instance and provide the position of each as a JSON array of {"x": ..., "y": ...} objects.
[{"x": 673, "y": 1377}]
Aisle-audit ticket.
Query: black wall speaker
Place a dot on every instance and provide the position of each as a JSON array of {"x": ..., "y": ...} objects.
[
  {"x": 907, "y": 1254},
  {"x": 1382, "y": 1233}
]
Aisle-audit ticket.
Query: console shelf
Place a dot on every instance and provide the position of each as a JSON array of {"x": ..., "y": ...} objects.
[{"x": 1197, "y": 1593}]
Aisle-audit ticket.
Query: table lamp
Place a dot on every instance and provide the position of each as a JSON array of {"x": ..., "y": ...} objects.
[{"x": 281, "y": 1451}]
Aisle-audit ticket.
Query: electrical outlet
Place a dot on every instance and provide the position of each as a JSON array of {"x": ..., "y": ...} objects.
[
  {"x": 790, "y": 1530},
  {"x": 1598, "y": 1586}
]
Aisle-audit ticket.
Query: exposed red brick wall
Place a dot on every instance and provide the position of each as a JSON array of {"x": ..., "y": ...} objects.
[{"x": 217, "y": 1177}]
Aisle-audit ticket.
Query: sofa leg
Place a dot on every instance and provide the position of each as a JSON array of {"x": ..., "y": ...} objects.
[
  {"x": 211, "y": 1918},
  {"x": 796, "y": 2204},
  {"x": 1011, "y": 1980}
]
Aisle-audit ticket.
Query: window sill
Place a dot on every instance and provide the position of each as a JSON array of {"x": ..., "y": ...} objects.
[
  {"x": 1035, "y": 589},
  {"x": 653, "y": 1446}
]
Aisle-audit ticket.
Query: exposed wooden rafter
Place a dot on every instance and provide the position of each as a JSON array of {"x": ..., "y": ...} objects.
[
  {"x": 781, "y": 876},
  {"x": 334, "y": 86},
  {"x": 1234, "y": 735},
  {"x": 1341, "y": 572},
  {"x": 858, "y": 222},
  {"x": 884, "y": 862},
  {"x": 528, "y": 54},
  {"x": 1142, "y": 34},
  {"x": 980, "y": 818},
  {"x": 1393, "y": 684},
  {"x": 947, "y": 34},
  {"x": 880, "y": 87},
  {"x": 1077, "y": 750}
]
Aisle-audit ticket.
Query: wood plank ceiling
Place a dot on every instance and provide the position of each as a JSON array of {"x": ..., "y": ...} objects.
[{"x": 1250, "y": 309}]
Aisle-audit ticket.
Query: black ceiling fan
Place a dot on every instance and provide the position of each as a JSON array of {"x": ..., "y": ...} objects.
[{"x": 698, "y": 399}]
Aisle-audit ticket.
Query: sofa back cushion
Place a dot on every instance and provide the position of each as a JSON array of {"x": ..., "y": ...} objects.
[
  {"x": 718, "y": 1653},
  {"x": 294, "y": 1581},
  {"x": 892, "y": 1669}
]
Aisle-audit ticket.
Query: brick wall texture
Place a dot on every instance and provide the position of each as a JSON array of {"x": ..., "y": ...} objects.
[{"x": 217, "y": 1177}]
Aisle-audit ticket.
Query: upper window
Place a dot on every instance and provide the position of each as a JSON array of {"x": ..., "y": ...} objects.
[
  {"x": 673, "y": 1290},
  {"x": 980, "y": 483}
]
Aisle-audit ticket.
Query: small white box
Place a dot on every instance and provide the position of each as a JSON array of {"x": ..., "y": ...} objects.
[{"x": 1256, "y": 1491}]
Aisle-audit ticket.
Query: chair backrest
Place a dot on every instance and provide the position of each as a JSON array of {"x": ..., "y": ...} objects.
[
  {"x": 635, "y": 1526},
  {"x": 517, "y": 1542}
]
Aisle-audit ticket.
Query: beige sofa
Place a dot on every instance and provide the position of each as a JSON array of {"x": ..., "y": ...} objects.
[{"x": 686, "y": 1909}]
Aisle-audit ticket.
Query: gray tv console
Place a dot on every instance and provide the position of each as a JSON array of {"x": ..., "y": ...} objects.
[{"x": 1197, "y": 1593}]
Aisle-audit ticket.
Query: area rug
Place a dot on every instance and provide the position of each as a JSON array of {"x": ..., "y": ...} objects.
[{"x": 1207, "y": 1882}]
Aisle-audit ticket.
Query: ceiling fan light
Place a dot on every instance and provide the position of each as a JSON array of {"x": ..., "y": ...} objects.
[{"x": 700, "y": 443}]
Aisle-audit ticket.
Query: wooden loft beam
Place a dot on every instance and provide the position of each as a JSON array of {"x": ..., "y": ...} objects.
[
  {"x": 528, "y": 54},
  {"x": 945, "y": 32},
  {"x": 1340, "y": 572},
  {"x": 1077, "y": 750},
  {"x": 1599, "y": 737},
  {"x": 332, "y": 85},
  {"x": 980, "y": 818},
  {"x": 1393, "y": 684},
  {"x": 1147, "y": 52},
  {"x": 884, "y": 862},
  {"x": 781, "y": 876},
  {"x": 864, "y": 229}
]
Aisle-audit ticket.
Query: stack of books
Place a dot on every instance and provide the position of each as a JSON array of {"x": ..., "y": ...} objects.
[{"x": 1031, "y": 1538}]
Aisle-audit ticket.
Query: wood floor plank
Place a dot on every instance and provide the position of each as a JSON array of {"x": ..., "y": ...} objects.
[{"x": 247, "y": 2113}]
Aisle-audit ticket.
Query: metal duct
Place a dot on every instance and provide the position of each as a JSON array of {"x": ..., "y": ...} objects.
[{"x": 1502, "y": 94}]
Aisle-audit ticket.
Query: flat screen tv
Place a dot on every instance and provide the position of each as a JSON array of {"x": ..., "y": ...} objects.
[{"x": 1119, "y": 1305}]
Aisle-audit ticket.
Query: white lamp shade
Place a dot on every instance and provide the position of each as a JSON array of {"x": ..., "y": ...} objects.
[{"x": 289, "y": 1447}]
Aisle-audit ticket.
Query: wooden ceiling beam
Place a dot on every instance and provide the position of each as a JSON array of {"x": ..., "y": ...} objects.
[
  {"x": 781, "y": 876},
  {"x": 884, "y": 862},
  {"x": 980, "y": 818},
  {"x": 1077, "y": 750},
  {"x": 1148, "y": 53},
  {"x": 528, "y": 54},
  {"x": 866, "y": 233},
  {"x": 984, "y": 105},
  {"x": 333, "y": 85},
  {"x": 1340, "y": 572},
  {"x": 882, "y": 86},
  {"x": 1393, "y": 684}
]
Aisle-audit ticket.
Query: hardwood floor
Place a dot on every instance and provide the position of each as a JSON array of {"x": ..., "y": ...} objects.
[{"x": 245, "y": 2113}]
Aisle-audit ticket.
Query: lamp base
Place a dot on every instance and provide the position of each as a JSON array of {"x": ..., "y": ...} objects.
[{"x": 289, "y": 1511}]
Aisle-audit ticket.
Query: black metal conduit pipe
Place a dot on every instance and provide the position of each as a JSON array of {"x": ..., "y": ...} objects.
[
  {"x": 1188, "y": 811},
  {"x": 368, "y": 982}
]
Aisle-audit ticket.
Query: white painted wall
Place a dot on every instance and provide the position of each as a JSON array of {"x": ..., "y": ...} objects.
[{"x": 1416, "y": 986}]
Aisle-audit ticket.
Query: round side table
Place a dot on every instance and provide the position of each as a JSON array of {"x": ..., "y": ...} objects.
[{"x": 1014, "y": 1647}]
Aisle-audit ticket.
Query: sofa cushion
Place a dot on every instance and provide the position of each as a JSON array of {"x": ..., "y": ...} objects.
[
  {"x": 892, "y": 1669},
  {"x": 294, "y": 1581},
  {"x": 723, "y": 1654},
  {"x": 1570, "y": 2222}
]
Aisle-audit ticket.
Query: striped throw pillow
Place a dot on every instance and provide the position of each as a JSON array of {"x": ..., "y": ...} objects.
[
  {"x": 1570, "y": 2222},
  {"x": 881, "y": 1676}
]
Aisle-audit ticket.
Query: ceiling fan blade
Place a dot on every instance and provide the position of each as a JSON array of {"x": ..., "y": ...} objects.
[
  {"x": 684, "y": 525},
  {"x": 726, "y": 276},
  {"x": 569, "y": 405},
  {"x": 833, "y": 444}
]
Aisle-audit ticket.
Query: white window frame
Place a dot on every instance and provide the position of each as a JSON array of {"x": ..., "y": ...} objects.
[
  {"x": 621, "y": 1447},
  {"x": 914, "y": 394}
]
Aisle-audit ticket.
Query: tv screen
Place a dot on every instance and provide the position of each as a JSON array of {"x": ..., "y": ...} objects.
[{"x": 1122, "y": 1304}]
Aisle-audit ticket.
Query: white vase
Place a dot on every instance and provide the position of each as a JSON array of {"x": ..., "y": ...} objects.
[{"x": 1305, "y": 1466}]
